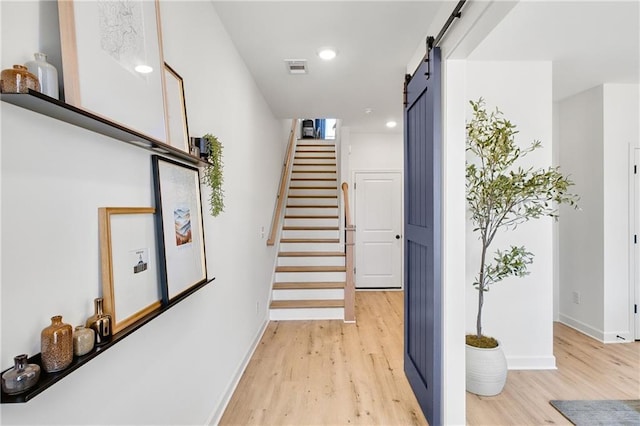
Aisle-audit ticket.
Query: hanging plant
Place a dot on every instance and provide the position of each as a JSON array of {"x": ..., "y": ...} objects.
[{"x": 212, "y": 176}]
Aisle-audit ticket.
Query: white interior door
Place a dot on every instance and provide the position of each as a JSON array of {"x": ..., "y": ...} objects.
[{"x": 378, "y": 212}]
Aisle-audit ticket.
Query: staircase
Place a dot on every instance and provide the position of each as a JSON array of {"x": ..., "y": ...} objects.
[{"x": 310, "y": 271}]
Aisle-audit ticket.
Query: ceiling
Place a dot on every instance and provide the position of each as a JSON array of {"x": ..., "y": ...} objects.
[{"x": 589, "y": 43}]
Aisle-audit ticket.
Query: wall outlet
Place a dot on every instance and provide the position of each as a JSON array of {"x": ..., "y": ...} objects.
[
  {"x": 257, "y": 307},
  {"x": 576, "y": 297},
  {"x": 262, "y": 232}
]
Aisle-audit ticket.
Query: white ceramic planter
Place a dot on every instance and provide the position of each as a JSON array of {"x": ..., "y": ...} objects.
[{"x": 486, "y": 370}]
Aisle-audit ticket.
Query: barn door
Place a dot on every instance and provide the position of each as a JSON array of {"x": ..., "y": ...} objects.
[{"x": 423, "y": 340}]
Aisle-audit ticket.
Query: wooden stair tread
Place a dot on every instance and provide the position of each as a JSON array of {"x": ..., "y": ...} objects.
[
  {"x": 310, "y": 240},
  {"x": 319, "y": 206},
  {"x": 313, "y": 196},
  {"x": 310, "y": 228},
  {"x": 292, "y": 304},
  {"x": 315, "y": 164},
  {"x": 311, "y": 269},
  {"x": 311, "y": 254},
  {"x": 308, "y": 285},
  {"x": 313, "y": 187},
  {"x": 305, "y": 216},
  {"x": 315, "y": 179},
  {"x": 331, "y": 169}
]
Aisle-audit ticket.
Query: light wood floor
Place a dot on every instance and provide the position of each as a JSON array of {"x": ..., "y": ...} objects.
[
  {"x": 331, "y": 373},
  {"x": 587, "y": 369}
]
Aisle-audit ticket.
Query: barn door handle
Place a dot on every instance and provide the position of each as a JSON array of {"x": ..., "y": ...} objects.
[{"x": 397, "y": 236}]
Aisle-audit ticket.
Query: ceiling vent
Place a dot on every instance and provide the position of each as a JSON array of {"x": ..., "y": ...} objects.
[{"x": 296, "y": 66}]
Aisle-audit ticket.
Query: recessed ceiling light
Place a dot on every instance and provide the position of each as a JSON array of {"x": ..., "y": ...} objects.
[
  {"x": 327, "y": 53},
  {"x": 143, "y": 69},
  {"x": 391, "y": 124}
]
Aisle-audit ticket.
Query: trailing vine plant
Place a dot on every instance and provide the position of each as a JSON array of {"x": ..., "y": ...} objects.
[
  {"x": 213, "y": 176},
  {"x": 502, "y": 195}
]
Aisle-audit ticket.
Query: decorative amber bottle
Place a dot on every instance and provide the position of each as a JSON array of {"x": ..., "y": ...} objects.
[{"x": 56, "y": 344}]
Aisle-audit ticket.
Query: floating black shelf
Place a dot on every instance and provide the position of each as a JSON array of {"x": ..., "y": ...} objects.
[
  {"x": 49, "y": 379},
  {"x": 51, "y": 107}
]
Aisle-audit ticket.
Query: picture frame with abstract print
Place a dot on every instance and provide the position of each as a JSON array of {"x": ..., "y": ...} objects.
[
  {"x": 179, "y": 228},
  {"x": 112, "y": 62}
]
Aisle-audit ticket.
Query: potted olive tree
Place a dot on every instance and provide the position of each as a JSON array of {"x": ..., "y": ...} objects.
[{"x": 501, "y": 195}]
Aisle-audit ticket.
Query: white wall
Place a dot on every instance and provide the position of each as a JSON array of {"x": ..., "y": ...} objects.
[
  {"x": 598, "y": 128},
  {"x": 621, "y": 121},
  {"x": 518, "y": 311},
  {"x": 179, "y": 368},
  {"x": 375, "y": 151},
  {"x": 453, "y": 220},
  {"x": 581, "y": 236}
]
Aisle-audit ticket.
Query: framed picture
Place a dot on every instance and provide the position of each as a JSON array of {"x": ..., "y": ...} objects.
[
  {"x": 176, "y": 109},
  {"x": 179, "y": 227},
  {"x": 112, "y": 61},
  {"x": 129, "y": 261}
]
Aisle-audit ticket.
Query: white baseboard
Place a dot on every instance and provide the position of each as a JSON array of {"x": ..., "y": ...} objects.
[
  {"x": 618, "y": 337},
  {"x": 582, "y": 327},
  {"x": 531, "y": 362},
  {"x": 217, "y": 413}
]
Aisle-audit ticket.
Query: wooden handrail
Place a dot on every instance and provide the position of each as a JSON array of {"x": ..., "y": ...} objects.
[
  {"x": 288, "y": 160},
  {"x": 349, "y": 288},
  {"x": 347, "y": 208}
]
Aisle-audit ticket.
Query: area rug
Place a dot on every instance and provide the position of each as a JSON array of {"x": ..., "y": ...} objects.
[{"x": 600, "y": 412}]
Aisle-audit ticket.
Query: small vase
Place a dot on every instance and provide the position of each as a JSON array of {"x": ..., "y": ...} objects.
[
  {"x": 100, "y": 323},
  {"x": 83, "y": 340},
  {"x": 56, "y": 343},
  {"x": 18, "y": 80},
  {"x": 22, "y": 377},
  {"x": 46, "y": 73}
]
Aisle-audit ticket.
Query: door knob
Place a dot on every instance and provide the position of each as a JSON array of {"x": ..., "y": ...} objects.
[{"x": 397, "y": 237}]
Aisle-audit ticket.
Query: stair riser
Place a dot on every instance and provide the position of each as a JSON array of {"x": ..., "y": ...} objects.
[
  {"x": 306, "y": 175},
  {"x": 315, "y": 145},
  {"x": 295, "y": 277},
  {"x": 311, "y": 222},
  {"x": 294, "y": 184},
  {"x": 306, "y": 314},
  {"x": 311, "y": 211},
  {"x": 311, "y": 247},
  {"x": 321, "y": 294},
  {"x": 310, "y": 234},
  {"x": 311, "y": 261},
  {"x": 312, "y": 201},
  {"x": 314, "y": 192},
  {"x": 326, "y": 160}
]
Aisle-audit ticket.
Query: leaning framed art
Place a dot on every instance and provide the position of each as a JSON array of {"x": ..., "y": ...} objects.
[
  {"x": 129, "y": 264},
  {"x": 176, "y": 109},
  {"x": 179, "y": 226},
  {"x": 112, "y": 61}
]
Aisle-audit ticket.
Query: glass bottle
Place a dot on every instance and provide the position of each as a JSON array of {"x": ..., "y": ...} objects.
[
  {"x": 46, "y": 73},
  {"x": 56, "y": 343},
  {"x": 83, "y": 340},
  {"x": 100, "y": 323},
  {"x": 22, "y": 377}
]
